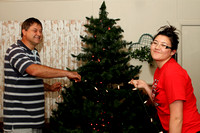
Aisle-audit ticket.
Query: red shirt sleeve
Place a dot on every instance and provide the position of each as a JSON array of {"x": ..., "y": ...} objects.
[{"x": 175, "y": 84}]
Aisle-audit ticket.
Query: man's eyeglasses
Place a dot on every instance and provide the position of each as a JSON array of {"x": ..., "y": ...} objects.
[{"x": 162, "y": 45}]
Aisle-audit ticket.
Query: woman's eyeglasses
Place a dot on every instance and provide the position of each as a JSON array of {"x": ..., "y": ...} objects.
[{"x": 162, "y": 45}]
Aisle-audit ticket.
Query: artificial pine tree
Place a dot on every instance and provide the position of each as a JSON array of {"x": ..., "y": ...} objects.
[{"x": 103, "y": 101}]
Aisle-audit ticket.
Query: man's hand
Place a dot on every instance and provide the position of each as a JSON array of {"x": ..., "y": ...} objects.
[
  {"x": 74, "y": 75},
  {"x": 54, "y": 87}
]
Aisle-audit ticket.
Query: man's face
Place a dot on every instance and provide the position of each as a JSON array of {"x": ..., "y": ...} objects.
[{"x": 33, "y": 35}]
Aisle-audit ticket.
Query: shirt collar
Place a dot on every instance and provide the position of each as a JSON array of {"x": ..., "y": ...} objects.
[{"x": 20, "y": 43}]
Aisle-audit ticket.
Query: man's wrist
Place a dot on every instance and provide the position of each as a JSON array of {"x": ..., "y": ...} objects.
[{"x": 47, "y": 87}]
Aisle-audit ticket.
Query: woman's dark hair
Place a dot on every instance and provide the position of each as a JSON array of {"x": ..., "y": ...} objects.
[
  {"x": 28, "y": 22},
  {"x": 170, "y": 32}
]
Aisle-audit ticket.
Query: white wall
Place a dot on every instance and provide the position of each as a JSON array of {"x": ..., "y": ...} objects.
[{"x": 191, "y": 56}]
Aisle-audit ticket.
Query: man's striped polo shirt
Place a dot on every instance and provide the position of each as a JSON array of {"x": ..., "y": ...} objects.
[{"x": 23, "y": 94}]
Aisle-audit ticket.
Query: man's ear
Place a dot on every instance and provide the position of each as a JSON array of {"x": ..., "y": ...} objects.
[{"x": 23, "y": 32}]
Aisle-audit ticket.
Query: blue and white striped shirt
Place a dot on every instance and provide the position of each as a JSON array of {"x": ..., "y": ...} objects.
[{"x": 23, "y": 94}]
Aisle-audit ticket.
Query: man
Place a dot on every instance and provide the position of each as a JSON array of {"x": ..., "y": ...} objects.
[{"x": 24, "y": 87}]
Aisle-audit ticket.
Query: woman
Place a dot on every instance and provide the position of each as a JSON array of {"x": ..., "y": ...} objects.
[{"x": 172, "y": 91}]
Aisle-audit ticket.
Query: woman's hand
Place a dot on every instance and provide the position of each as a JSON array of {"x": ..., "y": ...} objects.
[{"x": 140, "y": 84}]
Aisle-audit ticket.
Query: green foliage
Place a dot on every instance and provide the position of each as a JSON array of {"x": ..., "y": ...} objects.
[
  {"x": 143, "y": 54},
  {"x": 141, "y": 49},
  {"x": 103, "y": 101}
]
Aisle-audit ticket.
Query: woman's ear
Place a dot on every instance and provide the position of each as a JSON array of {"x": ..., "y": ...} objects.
[{"x": 173, "y": 52}]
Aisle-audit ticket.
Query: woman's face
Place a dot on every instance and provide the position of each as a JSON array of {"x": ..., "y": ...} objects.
[{"x": 161, "y": 49}]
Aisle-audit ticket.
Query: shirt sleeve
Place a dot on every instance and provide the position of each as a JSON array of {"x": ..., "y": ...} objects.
[
  {"x": 19, "y": 60},
  {"x": 175, "y": 86}
]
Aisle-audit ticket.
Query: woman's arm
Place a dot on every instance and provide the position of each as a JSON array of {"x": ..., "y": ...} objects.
[
  {"x": 142, "y": 84},
  {"x": 176, "y": 117}
]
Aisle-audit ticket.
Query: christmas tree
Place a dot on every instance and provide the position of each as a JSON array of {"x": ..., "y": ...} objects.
[{"x": 103, "y": 101}]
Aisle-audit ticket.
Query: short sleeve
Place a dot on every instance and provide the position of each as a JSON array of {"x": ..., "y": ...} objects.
[
  {"x": 18, "y": 59},
  {"x": 175, "y": 86}
]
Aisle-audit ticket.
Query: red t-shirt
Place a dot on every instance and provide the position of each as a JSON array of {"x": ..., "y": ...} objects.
[{"x": 172, "y": 83}]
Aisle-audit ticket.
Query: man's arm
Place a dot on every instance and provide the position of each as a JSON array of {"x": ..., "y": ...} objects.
[
  {"x": 48, "y": 72},
  {"x": 55, "y": 87}
]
